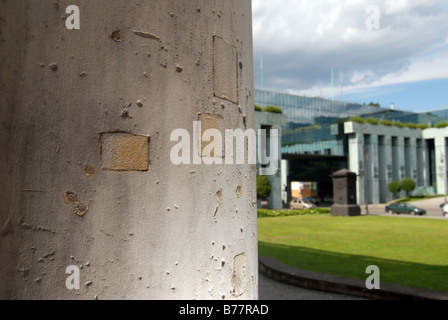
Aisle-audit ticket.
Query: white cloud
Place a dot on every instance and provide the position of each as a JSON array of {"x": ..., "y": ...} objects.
[{"x": 301, "y": 41}]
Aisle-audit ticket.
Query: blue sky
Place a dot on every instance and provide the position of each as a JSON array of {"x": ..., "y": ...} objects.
[{"x": 396, "y": 52}]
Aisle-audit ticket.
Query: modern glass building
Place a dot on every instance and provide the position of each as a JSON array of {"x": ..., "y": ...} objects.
[{"x": 315, "y": 142}]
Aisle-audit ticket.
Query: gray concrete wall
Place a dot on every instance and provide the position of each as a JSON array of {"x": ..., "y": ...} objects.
[{"x": 86, "y": 173}]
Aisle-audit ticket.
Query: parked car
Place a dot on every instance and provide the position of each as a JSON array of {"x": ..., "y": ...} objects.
[
  {"x": 312, "y": 200},
  {"x": 444, "y": 207},
  {"x": 406, "y": 208},
  {"x": 299, "y": 204}
]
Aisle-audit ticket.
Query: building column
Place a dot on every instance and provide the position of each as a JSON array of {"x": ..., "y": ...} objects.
[
  {"x": 398, "y": 160},
  {"x": 356, "y": 163},
  {"x": 411, "y": 158},
  {"x": 372, "y": 172},
  {"x": 89, "y": 182},
  {"x": 275, "y": 199},
  {"x": 441, "y": 168},
  {"x": 286, "y": 189},
  {"x": 422, "y": 163},
  {"x": 385, "y": 167}
]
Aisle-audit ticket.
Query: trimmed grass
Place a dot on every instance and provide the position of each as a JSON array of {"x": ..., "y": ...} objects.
[{"x": 409, "y": 252}]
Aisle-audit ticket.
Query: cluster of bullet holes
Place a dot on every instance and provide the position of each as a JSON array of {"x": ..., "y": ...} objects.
[{"x": 72, "y": 198}]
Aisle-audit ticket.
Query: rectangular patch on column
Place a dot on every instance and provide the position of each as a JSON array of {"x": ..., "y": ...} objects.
[
  {"x": 209, "y": 121},
  {"x": 124, "y": 152},
  {"x": 225, "y": 75}
]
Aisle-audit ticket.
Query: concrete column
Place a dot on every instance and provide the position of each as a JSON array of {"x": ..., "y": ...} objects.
[
  {"x": 356, "y": 163},
  {"x": 285, "y": 183},
  {"x": 398, "y": 162},
  {"x": 277, "y": 202},
  {"x": 440, "y": 163},
  {"x": 422, "y": 163},
  {"x": 411, "y": 155},
  {"x": 87, "y": 174},
  {"x": 385, "y": 167},
  {"x": 372, "y": 169}
]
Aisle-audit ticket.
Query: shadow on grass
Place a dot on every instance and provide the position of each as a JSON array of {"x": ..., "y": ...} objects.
[{"x": 354, "y": 266}]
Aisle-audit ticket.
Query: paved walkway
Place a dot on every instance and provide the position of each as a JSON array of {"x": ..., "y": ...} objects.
[{"x": 273, "y": 290}]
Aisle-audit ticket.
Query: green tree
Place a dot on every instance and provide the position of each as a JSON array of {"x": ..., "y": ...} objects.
[
  {"x": 408, "y": 185},
  {"x": 394, "y": 187},
  {"x": 263, "y": 187}
]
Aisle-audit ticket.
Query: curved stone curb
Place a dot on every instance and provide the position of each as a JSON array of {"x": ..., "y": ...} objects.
[{"x": 336, "y": 284}]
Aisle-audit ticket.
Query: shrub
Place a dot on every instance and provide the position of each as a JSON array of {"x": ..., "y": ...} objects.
[
  {"x": 258, "y": 108},
  {"x": 372, "y": 121},
  {"x": 262, "y": 213},
  {"x": 442, "y": 124},
  {"x": 411, "y": 125},
  {"x": 399, "y": 124},
  {"x": 263, "y": 187},
  {"x": 394, "y": 187},
  {"x": 386, "y": 123},
  {"x": 357, "y": 119},
  {"x": 423, "y": 126},
  {"x": 273, "y": 109},
  {"x": 408, "y": 185}
]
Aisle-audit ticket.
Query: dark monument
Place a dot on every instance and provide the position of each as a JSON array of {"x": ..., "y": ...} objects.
[{"x": 344, "y": 194}]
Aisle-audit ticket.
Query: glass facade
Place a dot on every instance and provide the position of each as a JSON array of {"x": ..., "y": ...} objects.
[{"x": 315, "y": 125}]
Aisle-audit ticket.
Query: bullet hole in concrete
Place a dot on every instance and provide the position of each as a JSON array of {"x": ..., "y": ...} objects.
[
  {"x": 139, "y": 104},
  {"x": 71, "y": 197},
  {"x": 240, "y": 65},
  {"x": 179, "y": 69},
  {"x": 239, "y": 191},
  {"x": 83, "y": 74},
  {"x": 81, "y": 209},
  {"x": 219, "y": 196},
  {"x": 53, "y": 66},
  {"x": 116, "y": 35},
  {"x": 125, "y": 113},
  {"x": 89, "y": 171}
]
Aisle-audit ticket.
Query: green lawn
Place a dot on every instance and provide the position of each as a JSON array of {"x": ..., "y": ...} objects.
[{"x": 410, "y": 252}]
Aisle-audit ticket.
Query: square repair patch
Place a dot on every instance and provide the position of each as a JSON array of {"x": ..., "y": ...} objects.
[{"x": 124, "y": 152}]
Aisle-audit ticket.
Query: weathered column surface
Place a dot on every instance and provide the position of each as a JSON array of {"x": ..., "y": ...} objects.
[{"x": 87, "y": 177}]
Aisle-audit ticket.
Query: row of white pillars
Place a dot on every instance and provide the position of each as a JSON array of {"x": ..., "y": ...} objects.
[{"x": 380, "y": 159}]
